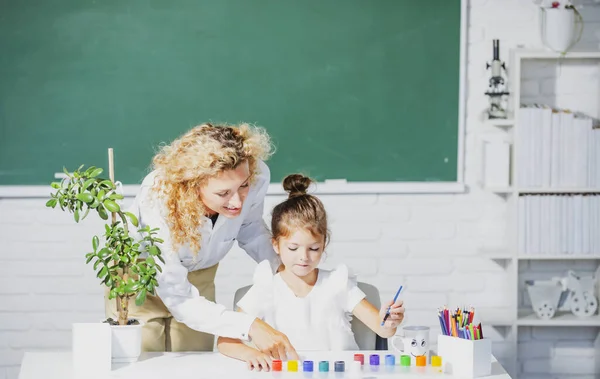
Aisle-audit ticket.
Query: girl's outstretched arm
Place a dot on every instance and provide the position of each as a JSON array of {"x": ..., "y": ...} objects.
[
  {"x": 372, "y": 317},
  {"x": 237, "y": 349}
]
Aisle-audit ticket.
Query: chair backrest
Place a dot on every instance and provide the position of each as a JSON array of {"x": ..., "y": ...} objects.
[
  {"x": 366, "y": 339},
  {"x": 239, "y": 294}
]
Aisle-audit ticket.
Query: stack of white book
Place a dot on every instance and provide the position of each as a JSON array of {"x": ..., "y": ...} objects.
[
  {"x": 556, "y": 148},
  {"x": 559, "y": 224}
]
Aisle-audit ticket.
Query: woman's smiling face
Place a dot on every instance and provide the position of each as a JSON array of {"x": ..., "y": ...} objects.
[{"x": 225, "y": 193}]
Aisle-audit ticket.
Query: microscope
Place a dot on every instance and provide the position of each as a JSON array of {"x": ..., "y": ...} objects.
[{"x": 497, "y": 91}]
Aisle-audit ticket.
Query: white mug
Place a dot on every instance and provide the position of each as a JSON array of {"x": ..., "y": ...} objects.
[{"x": 414, "y": 342}]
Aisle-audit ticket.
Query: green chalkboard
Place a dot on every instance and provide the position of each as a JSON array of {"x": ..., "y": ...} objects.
[{"x": 354, "y": 89}]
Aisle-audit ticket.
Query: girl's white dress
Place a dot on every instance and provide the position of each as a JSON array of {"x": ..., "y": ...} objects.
[{"x": 318, "y": 321}]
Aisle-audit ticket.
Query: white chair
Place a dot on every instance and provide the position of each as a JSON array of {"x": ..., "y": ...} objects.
[{"x": 365, "y": 337}]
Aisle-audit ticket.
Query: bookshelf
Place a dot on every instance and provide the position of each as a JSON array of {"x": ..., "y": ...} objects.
[
  {"x": 501, "y": 123},
  {"x": 528, "y": 318},
  {"x": 537, "y": 190},
  {"x": 510, "y": 257}
]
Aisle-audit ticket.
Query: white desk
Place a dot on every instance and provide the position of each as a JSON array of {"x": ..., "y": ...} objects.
[{"x": 57, "y": 365}]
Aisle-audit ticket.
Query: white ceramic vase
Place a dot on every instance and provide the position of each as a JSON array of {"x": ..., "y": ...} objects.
[{"x": 558, "y": 31}]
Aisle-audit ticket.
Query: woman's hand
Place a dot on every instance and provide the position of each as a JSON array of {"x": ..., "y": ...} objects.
[
  {"x": 396, "y": 314},
  {"x": 270, "y": 341},
  {"x": 257, "y": 360}
]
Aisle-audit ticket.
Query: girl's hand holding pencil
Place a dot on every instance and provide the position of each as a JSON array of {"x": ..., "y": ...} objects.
[
  {"x": 392, "y": 313},
  {"x": 395, "y": 315}
]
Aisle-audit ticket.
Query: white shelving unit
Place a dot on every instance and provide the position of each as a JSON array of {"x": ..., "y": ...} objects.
[
  {"x": 510, "y": 257},
  {"x": 528, "y": 318},
  {"x": 574, "y": 190}
]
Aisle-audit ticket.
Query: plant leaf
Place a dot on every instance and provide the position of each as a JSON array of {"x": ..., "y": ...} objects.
[
  {"x": 103, "y": 253},
  {"x": 133, "y": 219},
  {"x": 94, "y": 204},
  {"x": 141, "y": 297},
  {"x": 86, "y": 213},
  {"x": 76, "y": 215},
  {"x": 89, "y": 257},
  {"x": 86, "y": 197},
  {"x": 87, "y": 183},
  {"x": 95, "y": 242},
  {"x": 150, "y": 261},
  {"x": 111, "y": 205},
  {"x": 107, "y": 183},
  {"x": 52, "y": 203},
  {"x": 102, "y": 212},
  {"x": 98, "y": 261},
  {"x": 102, "y": 273},
  {"x": 96, "y": 172},
  {"x": 55, "y": 185}
]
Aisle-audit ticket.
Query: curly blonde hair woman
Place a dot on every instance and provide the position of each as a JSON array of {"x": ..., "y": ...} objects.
[
  {"x": 187, "y": 164},
  {"x": 206, "y": 191}
]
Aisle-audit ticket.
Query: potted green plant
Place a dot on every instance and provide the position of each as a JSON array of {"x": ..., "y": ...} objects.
[{"x": 117, "y": 259}]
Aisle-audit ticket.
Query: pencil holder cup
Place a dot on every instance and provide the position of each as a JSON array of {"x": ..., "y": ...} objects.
[{"x": 465, "y": 358}]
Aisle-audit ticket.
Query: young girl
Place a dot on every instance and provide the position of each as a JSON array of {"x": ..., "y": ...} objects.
[{"x": 311, "y": 306}]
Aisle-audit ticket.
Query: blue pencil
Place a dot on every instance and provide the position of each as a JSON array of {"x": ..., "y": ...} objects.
[
  {"x": 387, "y": 314},
  {"x": 442, "y": 325}
]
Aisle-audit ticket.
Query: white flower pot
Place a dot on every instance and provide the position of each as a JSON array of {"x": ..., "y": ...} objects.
[
  {"x": 558, "y": 29},
  {"x": 126, "y": 343}
]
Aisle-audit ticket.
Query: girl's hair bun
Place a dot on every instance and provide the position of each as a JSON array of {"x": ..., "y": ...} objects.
[{"x": 296, "y": 185}]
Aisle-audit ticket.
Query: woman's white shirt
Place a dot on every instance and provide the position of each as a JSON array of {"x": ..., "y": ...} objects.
[
  {"x": 177, "y": 293},
  {"x": 320, "y": 321}
]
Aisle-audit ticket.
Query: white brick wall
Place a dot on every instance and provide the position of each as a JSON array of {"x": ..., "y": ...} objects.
[{"x": 429, "y": 243}]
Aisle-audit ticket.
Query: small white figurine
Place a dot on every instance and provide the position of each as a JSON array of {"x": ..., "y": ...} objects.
[{"x": 573, "y": 293}]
